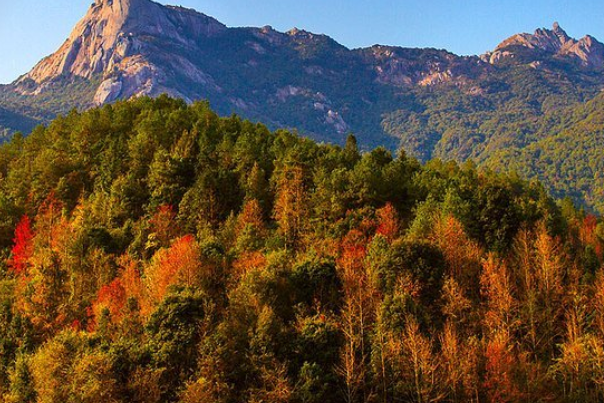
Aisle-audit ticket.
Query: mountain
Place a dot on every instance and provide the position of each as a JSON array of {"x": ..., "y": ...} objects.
[
  {"x": 586, "y": 51},
  {"x": 430, "y": 102},
  {"x": 124, "y": 42}
]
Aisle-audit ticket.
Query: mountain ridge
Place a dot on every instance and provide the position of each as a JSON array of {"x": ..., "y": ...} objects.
[
  {"x": 110, "y": 39},
  {"x": 588, "y": 51}
]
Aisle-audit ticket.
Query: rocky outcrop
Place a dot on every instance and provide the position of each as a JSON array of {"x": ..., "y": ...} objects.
[
  {"x": 425, "y": 67},
  {"x": 117, "y": 40},
  {"x": 586, "y": 51}
]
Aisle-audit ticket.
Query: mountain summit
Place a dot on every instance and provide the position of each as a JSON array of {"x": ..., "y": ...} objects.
[
  {"x": 124, "y": 42},
  {"x": 555, "y": 42}
]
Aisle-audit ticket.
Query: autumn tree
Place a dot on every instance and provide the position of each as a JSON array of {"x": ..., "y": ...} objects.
[
  {"x": 550, "y": 270},
  {"x": 461, "y": 254},
  {"x": 163, "y": 227},
  {"x": 498, "y": 295},
  {"x": 357, "y": 314},
  {"x": 22, "y": 247},
  {"x": 111, "y": 299},
  {"x": 43, "y": 293},
  {"x": 417, "y": 366},
  {"x": 291, "y": 209},
  {"x": 500, "y": 381},
  {"x": 250, "y": 229},
  {"x": 579, "y": 366},
  {"x": 180, "y": 264},
  {"x": 388, "y": 222},
  {"x": 460, "y": 365}
]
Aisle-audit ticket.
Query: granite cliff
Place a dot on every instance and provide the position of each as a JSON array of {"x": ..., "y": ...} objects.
[{"x": 586, "y": 51}]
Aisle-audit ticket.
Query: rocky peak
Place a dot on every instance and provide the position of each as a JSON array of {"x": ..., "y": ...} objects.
[
  {"x": 559, "y": 31},
  {"x": 555, "y": 42},
  {"x": 113, "y": 30},
  {"x": 588, "y": 50},
  {"x": 543, "y": 39}
]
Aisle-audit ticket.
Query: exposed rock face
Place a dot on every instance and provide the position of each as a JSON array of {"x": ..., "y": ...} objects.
[
  {"x": 118, "y": 39},
  {"x": 555, "y": 42},
  {"x": 425, "y": 67}
]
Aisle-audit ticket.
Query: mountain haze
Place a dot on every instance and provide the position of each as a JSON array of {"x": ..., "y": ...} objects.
[{"x": 432, "y": 103}]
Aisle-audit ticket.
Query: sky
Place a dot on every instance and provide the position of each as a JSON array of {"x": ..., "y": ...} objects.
[{"x": 32, "y": 29}]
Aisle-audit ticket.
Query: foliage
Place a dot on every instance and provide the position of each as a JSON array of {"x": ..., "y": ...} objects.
[{"x": 161, "y": 253}]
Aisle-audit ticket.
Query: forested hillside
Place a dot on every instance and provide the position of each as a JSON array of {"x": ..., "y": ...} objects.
[{"x": 155, "y": 252}]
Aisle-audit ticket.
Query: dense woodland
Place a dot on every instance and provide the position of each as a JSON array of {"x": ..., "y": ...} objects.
[{"x": 155, "y": 252}]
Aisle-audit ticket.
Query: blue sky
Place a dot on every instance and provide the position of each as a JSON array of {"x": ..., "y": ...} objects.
[{"x": 32, "y": 29}]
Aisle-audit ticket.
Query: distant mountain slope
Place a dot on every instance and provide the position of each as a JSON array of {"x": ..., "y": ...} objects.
[
  {"x": 11, "y": 121},
  {"x": 430, "y": 102},
  {"x": 566, "y": 154}
]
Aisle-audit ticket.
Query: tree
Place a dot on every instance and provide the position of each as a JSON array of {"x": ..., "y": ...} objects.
[
  {"x": 457, "y": 308},
  {"x": 356, "y": 315},
  {"x": 291, "y": 210},
  {"x": 250, "y": 228},
  {"x": 573, "y": 365},
  {"x": 460, "y": 366},
  {"x": 497, "y": 293},
  {"x": 418, "y": 367},
  {"x": 51, "y": 367},
  {"x": 257, "y": 187},
  {"x": 49, "y": 283},
  {"x": 461, "y": 253},
  {"x": 388, "y": 222},
  {"x": 21, "y": 387},
  {"x": 180, "y": 264},
  {"x": 111, "y": 297},
  {"x": 175, "y": 330},
  {"x": 23, "y": 247},
  {"x": 94, "y": 380},
  {"x": 550, "y": 270},
  {"x": 500, "y": 367},
  {"x": 163, "y": 227}
]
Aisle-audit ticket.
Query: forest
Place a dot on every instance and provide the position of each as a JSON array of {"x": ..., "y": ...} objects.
[{"x": 152, "y": 251}]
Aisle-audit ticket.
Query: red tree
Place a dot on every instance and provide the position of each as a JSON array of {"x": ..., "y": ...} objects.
[
  {"x": 22, "y": 248},
  {"x": 112, "y": 297},
  {"x": 388, "y": 222}
]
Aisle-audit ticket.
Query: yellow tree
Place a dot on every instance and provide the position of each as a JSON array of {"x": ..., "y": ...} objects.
[
  {"x": 499, "y": 317},
  {"x": 460, "y": 252},
  {"x": 388, "y": 222},
  {"x": 598, "y": 303},
  {"x": 501, "y": 365},
  {"x": 459, "y": 365},
  {"x": 573, "y": 364},
  {"x": 457, "y": 307},
  {"x": 291, "y": 204},
  {"x": 550, "y": 270},
  {"x": 496, "y": 291},
  {"x": 49, "y": 283},
  {"x": 250, "y": 229},
  {"x": 419, "y": 367}
]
